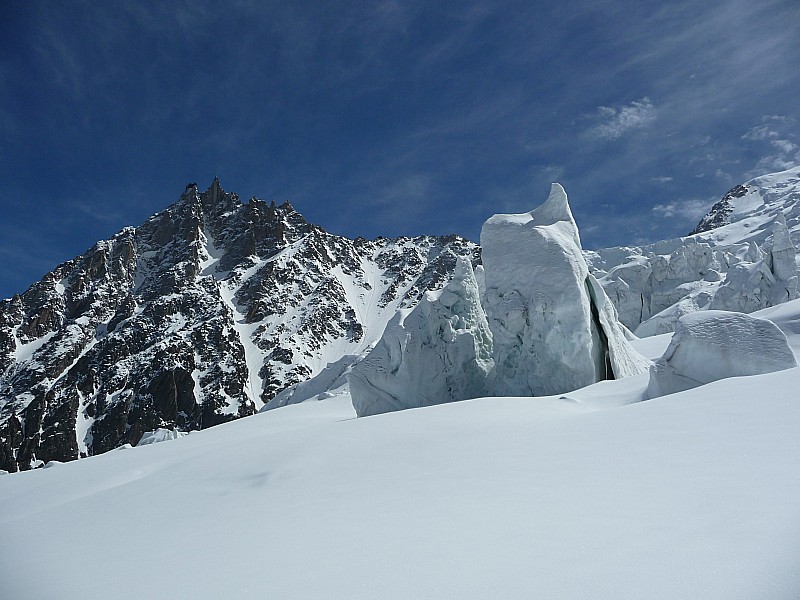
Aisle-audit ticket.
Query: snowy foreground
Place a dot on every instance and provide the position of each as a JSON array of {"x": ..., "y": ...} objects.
[{"x": 588, "y": 495}]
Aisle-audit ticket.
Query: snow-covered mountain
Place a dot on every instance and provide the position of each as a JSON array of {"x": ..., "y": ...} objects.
[
  {"x": 198, "y": 316},
  {"x": 741, "y": 256},
  {"x": 745, "y": 212},
  {"x": 214, "y": 309}
]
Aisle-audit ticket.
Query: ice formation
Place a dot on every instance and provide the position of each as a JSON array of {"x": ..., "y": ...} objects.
[
  {"x": 769, "y": 280},
  {"x": 645, "y": 282},
  {"x": 712, "y": 345},
  {"x": 740, "y": 257},
  {"x": 438, "y": 352},
  {"x": 554, "y": 329},
  {"x": 162, "y": 434}
]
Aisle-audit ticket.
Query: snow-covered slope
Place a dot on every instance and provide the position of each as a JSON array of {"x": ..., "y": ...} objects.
[
  {"x": 692, "y": 495},
  {"x": 746, "y": 212},
  {"x": 200, "y": 315}
]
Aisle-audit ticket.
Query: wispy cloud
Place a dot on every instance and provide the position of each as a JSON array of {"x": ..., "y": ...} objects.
[
  {"x": 412, "y": 115},
  {"x": 760, "y": 132},
  {"x": 614, "y": 122},
  {"x": 784, "y": 146},
  {"x": 773, "y": 139},
  {"x": 689, "y": 209},
  {"x": 63, "y": 61}
]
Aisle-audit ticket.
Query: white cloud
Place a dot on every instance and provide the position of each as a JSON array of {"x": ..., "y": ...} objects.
[
  {"x": 689, "y": 209},
  {"x": 615, "y": 122},
  {"x": 784, "y": 145},
  {"x": 760, "y": 132},
  {"x": 771, "y": 164},
  {"x": 772, "y": 139},
  {"x": 662, "y": 179},
  {"x": 780, "y": 118}
]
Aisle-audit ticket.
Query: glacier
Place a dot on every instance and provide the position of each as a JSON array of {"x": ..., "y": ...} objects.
[
  {"x": 214, "y": 307},
  {"x": 692, "y": 495},
  {"x": 741, "y": 256},
  {"x": 588, "y": 493},
  {"x": 533, "y": 321}
]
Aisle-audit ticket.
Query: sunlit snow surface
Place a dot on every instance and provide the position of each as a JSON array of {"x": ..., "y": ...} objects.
[{"x": 587, "y": 495}]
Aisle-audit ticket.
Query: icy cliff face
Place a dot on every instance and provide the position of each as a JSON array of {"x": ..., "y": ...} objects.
[
  {"x": 712, "y": 345},
  {"x": 441, "y": 351},
  {"x": 552, "y": 325},
  {"x": 740, "y": 257},
  {"x": 198, "y": 316}
]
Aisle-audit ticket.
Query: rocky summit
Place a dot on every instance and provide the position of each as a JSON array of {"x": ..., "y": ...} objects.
[{"x": 199, "y": 316}]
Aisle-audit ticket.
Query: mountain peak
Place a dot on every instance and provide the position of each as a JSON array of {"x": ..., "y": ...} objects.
[
  {"x": 196, "y": 317},
  {"x": 215, "y": 189},
  {"x": 719, "y": 214}
]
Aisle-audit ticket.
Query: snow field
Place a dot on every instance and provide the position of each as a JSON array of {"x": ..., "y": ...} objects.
[{"x": 692, "y": 495}]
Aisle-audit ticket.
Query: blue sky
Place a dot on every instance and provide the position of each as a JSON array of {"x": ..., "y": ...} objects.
[{"x": 387, "y": 118}]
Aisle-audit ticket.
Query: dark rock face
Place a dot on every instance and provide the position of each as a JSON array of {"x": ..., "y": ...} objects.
[
  {"x": 719, "y": 213},
  {"x": 198, "y": 316}
]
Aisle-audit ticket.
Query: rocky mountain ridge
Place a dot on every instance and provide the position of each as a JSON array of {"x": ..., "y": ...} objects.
[{"x": 199, "y": 316}]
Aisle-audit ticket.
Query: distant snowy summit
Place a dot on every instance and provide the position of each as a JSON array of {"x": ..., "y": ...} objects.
[
  {"x": 741, "y": 256},
  {"x": 756, "y": 202}
]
